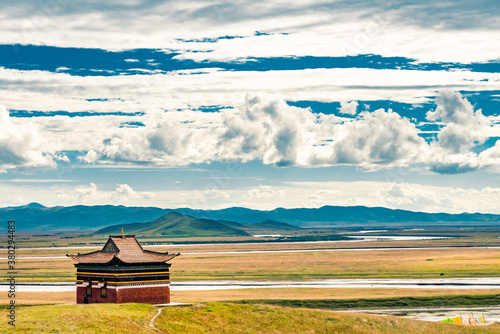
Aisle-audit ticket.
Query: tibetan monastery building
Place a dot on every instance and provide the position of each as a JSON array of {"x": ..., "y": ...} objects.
[{"x": 123, "y": 272}]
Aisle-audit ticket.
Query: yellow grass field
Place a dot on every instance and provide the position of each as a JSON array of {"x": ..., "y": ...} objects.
[
  {"x": 417, "y": 263},
  {"x": 265, "y": 293}
]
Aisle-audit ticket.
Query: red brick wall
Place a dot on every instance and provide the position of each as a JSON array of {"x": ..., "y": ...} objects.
[
  {"x": 147, "y": 295},
  {"x": 79, "y": 295},
  {"x": 96, "y": 296}
]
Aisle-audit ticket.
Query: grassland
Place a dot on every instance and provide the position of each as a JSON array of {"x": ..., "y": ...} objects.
[
  {"x": 307, "y": 263},
  {"x": 474, "y": 236},
  {"x": 66, "y": 297},
  {"x": 417, "y": 263},
  {"x": 129, "y": 318},
  {"x": 226, "y": 318},
  {"x": 216, "y": 318}
]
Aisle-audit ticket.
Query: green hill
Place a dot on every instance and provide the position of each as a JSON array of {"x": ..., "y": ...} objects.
[{"x": 176, "y": 225}]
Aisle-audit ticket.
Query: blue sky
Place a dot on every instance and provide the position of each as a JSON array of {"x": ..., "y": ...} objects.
[{"x": 256, "y": 104}]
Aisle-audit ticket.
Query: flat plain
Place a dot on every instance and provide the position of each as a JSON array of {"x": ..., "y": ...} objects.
[{"x": 463, "y": 254}]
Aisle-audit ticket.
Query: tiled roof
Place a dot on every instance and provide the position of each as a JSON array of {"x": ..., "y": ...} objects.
[{"x": 125, "y": 248}]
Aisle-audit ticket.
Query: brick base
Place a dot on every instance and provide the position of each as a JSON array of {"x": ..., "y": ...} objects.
[
  {"x": 147, "y": 295},
  {"x": 135, "y": 294}
]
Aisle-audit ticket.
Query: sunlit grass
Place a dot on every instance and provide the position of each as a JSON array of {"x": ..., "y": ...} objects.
[
  {"x": 226, "y": 318},
  {"x": 405, "y": 263},
  {"x": 90, "y": 318},
  {"x": 216, "y": 318}
]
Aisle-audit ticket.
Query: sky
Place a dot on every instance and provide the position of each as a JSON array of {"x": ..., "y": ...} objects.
[{"x": 258, "y": 104}]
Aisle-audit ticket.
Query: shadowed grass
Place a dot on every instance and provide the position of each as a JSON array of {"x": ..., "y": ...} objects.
[
  {"x": 322, "y": 293},
  {"x": 398, "y": 302},
  {"x": 227, "y": 318}
]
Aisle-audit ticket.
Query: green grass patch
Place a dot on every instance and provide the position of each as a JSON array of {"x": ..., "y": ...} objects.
[
  {"x": 216, "y": 318},
  {"x": 396, "y": 302},
  {"x": 233, "y": 318},
  {"x": 90, "y": 318}
]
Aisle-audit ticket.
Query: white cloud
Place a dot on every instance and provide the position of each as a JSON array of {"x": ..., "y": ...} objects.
[
  {"x": 322, "y": 197},
  {"x": 90, "y": 194},
  {"x": 267, "y": 128},
  {"x": 21, "y": 145},
  {"x": 464, "y": 128},
  {"x": 491, "y": 156},
  {"x": 212, "y": 194},
  {"x": 378, "y": 138},
  {"x": 45, "y": 91},
  {"x": 407, "y": 196},
  {"x": 83, "y": 193},
  {"x": 429, "y": 31},
  {"x": 348, "y": 108},
  {"x": 263, "y": 128},
  {"x": 90, "y": 157},
  {"x": 416, "y": 197},
  {"x": 404, "y": 195},
  {"x": 264, "y": 192},
  {"x": 168, "y": 138},
  {"x": 124, "y": 192}
]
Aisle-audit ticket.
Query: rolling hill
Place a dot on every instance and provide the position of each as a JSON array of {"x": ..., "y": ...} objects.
[{"x": 176, "y": 225}]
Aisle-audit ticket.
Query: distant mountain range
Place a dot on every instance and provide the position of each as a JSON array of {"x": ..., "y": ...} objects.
[{"x": 35, "y": 217}]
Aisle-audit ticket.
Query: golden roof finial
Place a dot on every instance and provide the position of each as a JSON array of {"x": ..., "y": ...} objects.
[{"x": 122, "y": 231}]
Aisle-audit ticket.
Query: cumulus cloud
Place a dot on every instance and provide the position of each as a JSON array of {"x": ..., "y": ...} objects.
[
  {"x": 90, "y": 157},
  {"x": 376, "y": 139},
  {"x": 464, "y": 127},
  {"x": 21, "y": 145},
  {"x": 429, "y": 198},
  {"x": 323, "y": 197},
  {"x": 416, "y": 197},
  {"x": 263, "y": 191},
  {"x": 267, "y": 128},
  {"x": 124, "y": 192},
  {"x": 215, "y": 194},
  {"x": 262, "y": 128},
  {"x": 455, "y": 163},
  {"x": 168, "y": 138},
  {"x": 348, "y": 108},
  {"x": 91, "y": 194},
  {"x": 490, "y": 156}
]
